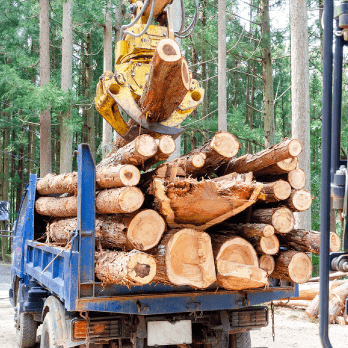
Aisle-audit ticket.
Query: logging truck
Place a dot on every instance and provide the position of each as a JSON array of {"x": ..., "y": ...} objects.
[{"x": 56, "y": 286}]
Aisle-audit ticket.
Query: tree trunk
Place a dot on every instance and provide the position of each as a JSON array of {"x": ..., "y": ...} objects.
[
  {"x": 282, "y": 219},
  {"x": 296, "y": 178},
  {"x": 31, "y": 148},
  {"x": 267, "y": 77},
  {"x": 141, "y": 231},
  {"x": 293, "y": 266},
  {"x": 125, "y": 268},
  {"x": 168, "y": 82},
  {"x": 45, "y": 116},
  {"x": 237, "y": 263},
  {"x": 185, "y": 258},
  {"x": 299, "y": 200},
  {"x": 275, "y": 191},
  {"x": 113, "y": 201},
  {"x": 189, "y": 202},
  {"x": 278, "y": 168},
  {"x": 267, "y": 263},
  {"x": 66, "y": 84},
  {"x": 253, "y": 163}
]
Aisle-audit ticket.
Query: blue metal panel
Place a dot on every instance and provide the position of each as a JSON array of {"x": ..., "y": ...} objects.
[{"x": 86, "y": 213}]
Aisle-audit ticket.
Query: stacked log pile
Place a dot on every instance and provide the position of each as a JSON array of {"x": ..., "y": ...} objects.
[{"x": 207, "y": 217}]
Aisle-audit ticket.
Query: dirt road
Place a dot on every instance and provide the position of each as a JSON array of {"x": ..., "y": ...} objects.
[{"x": 292, "y": 327}]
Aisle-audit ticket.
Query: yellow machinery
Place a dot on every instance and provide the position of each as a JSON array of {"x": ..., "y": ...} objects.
[{"x": 134, "y": 52}]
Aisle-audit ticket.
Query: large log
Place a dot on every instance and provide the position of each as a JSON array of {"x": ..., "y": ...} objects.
[
  {"x": 136, "y": 152},
  {"x": 248, "y": 230},
  {"x": 185, "y": 257},
  {"x": 142, "y": 230},
  {"x": 293, "y": 266},
  {"x": 299, "y": 200},
  {"x": 337, "y": 301},
  {"x": 57, "y": 184},
  {"x": 278, "y": 168},
  {"x": 267, "y": 263},
  {"x": 251, "y": 163},
  {"x": 167, "y": 84},
  {"x": 189, "y": 203},
  {"x": 113, "y": 201},
  {"x": 237, "y": 265},
  {"x": 275, "y": 191},
  {"x": 125, "y": 268},
  {"x": 308, "y": 241},
  {"x": 282, "y": 219}
]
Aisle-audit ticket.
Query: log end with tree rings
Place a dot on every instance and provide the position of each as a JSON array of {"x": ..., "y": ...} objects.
[
  {"x": 301, "y": 200},
  {"x": 166, "y": 145},
  {"x": 168, "y": 50},
  {"x": 146, "y": 229},
  {"x": 294, "y": 147},
  {"x": 288, "y": 164},
  {"x": 281, "y": 189},
  {"x": 225, "y": 144},
  {"x": 283, "y": 220},
  {"x": 198, "y": 160},
  {"x": 297, "y": 179},
  {"x": 268, "y": 230},
  {"x": 269, "y": 245},
  {"x": 335, "y": 242},
  {"x": 189, "y": 259},
  {"x": 146, "y": 145},
  {"x": 186, "y": 79},
  {"x": 267, "y": 263}
]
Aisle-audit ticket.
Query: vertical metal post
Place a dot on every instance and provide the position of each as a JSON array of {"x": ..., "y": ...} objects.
[
  {"x": 325, "y": 176},
  {"x": 336, "y": 104},
  {"x": 86, "y": 213},
  {"x": 222, "y": 93}
]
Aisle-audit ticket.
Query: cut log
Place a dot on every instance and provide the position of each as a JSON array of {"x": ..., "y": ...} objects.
[
  {"x": 278, "y": 168},
  {"x": 165, "y": 147},
  {"x": 188, "y": 203},
  {"x": 267, "y": 263},
  {"x": 57, "y": 184},
  {"x": 167, "y": 84},
  {"x": 251, "y": 163},
  {"x": 265, "y": 245},
  {"x": 307, "y": 241},
  {"x": 135, "y": 152},
  {"x": 299, "y": 200},
  {"x": 313, "y": 309},
  {"x": 119, "y": 200},
  {"x": 296, "y": 178},
  {"x": 248, "y": 230},
  {"x": 275, "y": 191},
  {"x": 337, "y": 301},
  {"x": 57, "y": 206},
  {"x": 293, "y": 266},
  {"x": 117, "y": 176},
  {"x": 341, "y": 320},
  {"x": 237, "y": 265},
  {"x": 282, "y": 219},
  {"x": 292, "y": 303},
  {"x": 185, "y": 257},
  {"x": 125, "y": 268},
  {"x": 332, "y": 276},
  {"x": 142, "y": 230}
]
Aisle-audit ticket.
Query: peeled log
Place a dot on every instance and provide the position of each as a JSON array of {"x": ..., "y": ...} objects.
[
  {"x": 135, "y": 152},
  {"x": 185, "y": 257},
  {"x": 282, "y": 219},
  {"x": 278, "y": 168},
  {"x": 189, "y": 203},
  {"x": 119, "y": 200},
  {"x": 293, "y": 266},
  {"x": 308, "y": 241},
  {"x": 57, "y": 206},
  {"x": 142, "y": 230},
  {"x": 248, "y": 230},
  {"x": 57, "y": 184},
  {"x": 275, "y": 191},
  {"x": 237, "y": 265},
  {"x": 299, "y": 200},
  {"x": 125, "y": 268},
  {"x": 167, "y": 84},
  {"x": 267, "y": 263},
  {"x": 252, "y": 163},
  {"x": 337, "y": 302}
]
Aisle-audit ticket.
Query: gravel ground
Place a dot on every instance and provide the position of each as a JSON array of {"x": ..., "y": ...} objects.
[{"x": 292, "y": 327}]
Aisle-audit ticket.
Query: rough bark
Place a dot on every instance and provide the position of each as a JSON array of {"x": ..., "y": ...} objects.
[
  {"x": 168, "y": 82},
  {"x": 57, "y": 184},
  {"x": 252, "y": 163},
  {"x": 142, "y": 230},
  {"x": 307, "y": 241},
  {"x": 237, "y": 265},
  {"x": 267, "y": 263},
  {"x": 185, "y": 257},
  {"x": 248, "y": 230},
  {"x": 275, "y": 191},
  {"x": 281, "y": 167},
  {"x": 57, "y": 206},
  {"x": 125, "y": 268},
  {"x": 282, "y": 219},
  {"x": 189, "y": 202},
  {"x": 299, "y": 200},
  {"x": 293, "y": 266}
]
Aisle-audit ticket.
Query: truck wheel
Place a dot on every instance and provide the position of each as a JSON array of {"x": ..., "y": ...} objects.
[
  {"x": 240, "y": 340},
  {"x": 26, "y": 329},
  {"x": 48, "y": 339}
]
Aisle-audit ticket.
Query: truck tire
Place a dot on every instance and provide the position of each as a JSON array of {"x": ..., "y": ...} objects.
[
  {"x": 26, "y": 329},
  {"x": 48, "y": 339},
  {"x": 240, "y": 340}
]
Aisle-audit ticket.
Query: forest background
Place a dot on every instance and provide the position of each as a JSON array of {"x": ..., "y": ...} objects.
[{"x": 23, "y": 98}]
